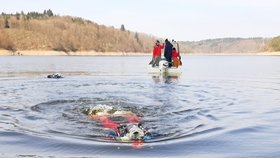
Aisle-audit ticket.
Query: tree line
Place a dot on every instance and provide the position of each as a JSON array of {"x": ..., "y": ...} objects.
[
  {"x": 47, "y": 31},
  {"x": 274, "y": 44},
  {"x": 29, "y": 15}
]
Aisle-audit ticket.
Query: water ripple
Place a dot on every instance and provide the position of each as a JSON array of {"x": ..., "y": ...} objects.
[{"x": 65, "y": 118}]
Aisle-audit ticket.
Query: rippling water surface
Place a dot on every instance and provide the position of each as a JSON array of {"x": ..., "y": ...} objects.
[{"x": 220, "y": 106}]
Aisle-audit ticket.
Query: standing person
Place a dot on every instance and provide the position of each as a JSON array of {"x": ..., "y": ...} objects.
[
  {"x": 168, "y": 52},
  {"x": 175, "y": 58},
  {"x": 176, "y": 45},
  {"x": 157, "y": 53}
]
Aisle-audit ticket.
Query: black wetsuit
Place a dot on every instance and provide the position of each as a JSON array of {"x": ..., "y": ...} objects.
[{"x": 168, "y": 52}]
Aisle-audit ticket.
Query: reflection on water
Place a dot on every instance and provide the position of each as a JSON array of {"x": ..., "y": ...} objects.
[
  {"x": 218, "y": 107},
  {"x": 165, "y": 78}
]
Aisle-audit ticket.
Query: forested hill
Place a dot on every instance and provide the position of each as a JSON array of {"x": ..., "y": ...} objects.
[
  {"x": 274, "y": 44},
  {"x": 46, "y": 31},
  {"x": 227, "y": 45}
]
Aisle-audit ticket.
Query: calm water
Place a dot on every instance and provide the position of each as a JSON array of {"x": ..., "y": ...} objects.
[{"x": 221, "y": 106}]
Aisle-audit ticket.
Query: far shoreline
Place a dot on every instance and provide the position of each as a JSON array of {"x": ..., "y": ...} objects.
[
  {"x": 93, "y": 53},
  {"x": 62, "y": 53}
]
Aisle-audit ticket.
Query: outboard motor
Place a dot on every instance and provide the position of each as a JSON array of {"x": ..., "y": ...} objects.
[{"x": 163, "y": 65}]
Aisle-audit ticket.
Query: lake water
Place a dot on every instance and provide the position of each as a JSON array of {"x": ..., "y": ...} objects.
[{"x": 220, "y": 106}]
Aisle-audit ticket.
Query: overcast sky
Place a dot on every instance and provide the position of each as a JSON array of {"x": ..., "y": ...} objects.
[{"x": 178, "y": 19}]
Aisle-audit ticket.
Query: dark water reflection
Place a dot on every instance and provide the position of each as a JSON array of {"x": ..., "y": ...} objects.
[{"x": 221, "y": 106}]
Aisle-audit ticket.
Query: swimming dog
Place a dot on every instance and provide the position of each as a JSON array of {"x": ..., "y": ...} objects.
[
  {"x": 127, "y": 128},
  {"x": 56, "y": 76}
]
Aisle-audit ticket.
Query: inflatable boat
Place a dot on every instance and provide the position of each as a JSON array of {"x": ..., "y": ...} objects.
[{"x": 163, "y": 69}]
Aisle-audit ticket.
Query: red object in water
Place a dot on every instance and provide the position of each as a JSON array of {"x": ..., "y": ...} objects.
[
  {"x": 107, "y": 123},
  {"x": 137, "y": 144}
]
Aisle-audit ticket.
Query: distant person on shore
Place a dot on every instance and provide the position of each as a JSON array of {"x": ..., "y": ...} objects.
[
  {"x": 168, "y": 52},
  {"x": 157, "y": 53},
  {"x": 175, "y": 58}
]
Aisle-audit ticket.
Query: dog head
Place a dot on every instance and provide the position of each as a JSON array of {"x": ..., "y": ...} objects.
[
  {"x": 132, "y": 131},
  {"x": 135, "y": 132}
]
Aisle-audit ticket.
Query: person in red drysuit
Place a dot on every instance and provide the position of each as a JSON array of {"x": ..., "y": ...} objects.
[
  {"x": 175, "y": 58},
  {"x": 157, "y": 53}
]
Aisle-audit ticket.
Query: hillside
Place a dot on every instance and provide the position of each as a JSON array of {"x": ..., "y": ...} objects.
[
  {"x": 226, "y": 45},
  {"x": 41, "y": 31},
  {"x": 46, "y": 31},
  {"x": 274, "y": 44}
]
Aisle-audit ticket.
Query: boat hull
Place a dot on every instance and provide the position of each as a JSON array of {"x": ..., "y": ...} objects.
[{"x": 164, "y": 70}]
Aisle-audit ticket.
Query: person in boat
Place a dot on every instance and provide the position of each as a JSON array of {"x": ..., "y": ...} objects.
[
  {"x": 174, "y": 43},
  {"x": 168, "y": 52},
  {"x": 157, "y": 53},
  {"x": 175, "y": 58}
]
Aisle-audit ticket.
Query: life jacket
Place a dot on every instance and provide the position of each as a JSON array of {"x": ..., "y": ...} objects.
[
  {"x": 108, "y": 123},
  {"x": 176, "y": 62}
]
